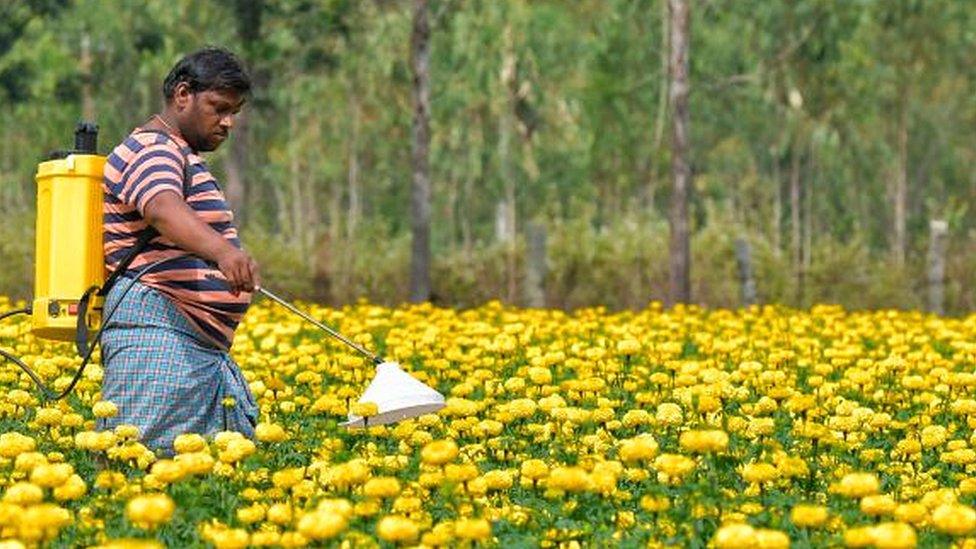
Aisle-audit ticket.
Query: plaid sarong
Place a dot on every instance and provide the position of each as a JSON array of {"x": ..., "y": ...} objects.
[{"x": 164, "y": 376}]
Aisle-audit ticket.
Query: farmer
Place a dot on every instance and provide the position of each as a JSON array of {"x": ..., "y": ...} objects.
[{"x": 165, "y": 349}]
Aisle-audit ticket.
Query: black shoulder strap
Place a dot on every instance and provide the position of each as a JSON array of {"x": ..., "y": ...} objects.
[{"x": 147, "y": 234}]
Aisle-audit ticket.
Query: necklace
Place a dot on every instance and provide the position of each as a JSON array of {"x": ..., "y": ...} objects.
[{"x": 168, "y": 127}]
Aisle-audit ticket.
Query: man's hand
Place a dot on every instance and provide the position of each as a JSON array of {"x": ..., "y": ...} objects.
[
  {"x": 240, "y": 269},
  {"x": 174, "y": 219}
]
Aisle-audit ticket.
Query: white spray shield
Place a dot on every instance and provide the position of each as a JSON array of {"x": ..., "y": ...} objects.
[{"x": 398, "y": 396}]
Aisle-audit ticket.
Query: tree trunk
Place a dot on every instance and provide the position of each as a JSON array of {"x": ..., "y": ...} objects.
[
  {"x": 85, "y": 64},
  {"x": 939, "y": 235},
  {"x": 352, "y": 179},
  {"x": 249, "y": 15},
  {"x": 796, "y": 229},
  {"x": 506, "y": 131},
  {"x": 420, "y": 190},
  {"x": 535, "y": 275},
  {"x": 743, "y": 258},
  {"x": 680, "y": 248},
  {"x": 901, "y": 186}
]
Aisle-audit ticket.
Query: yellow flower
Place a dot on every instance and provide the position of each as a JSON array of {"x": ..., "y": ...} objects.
[
  {"x": 674, "y": 466},
  {"x": 51, "y": 475},
  {"x": 858, "y": 485},
  {"x": 167, "y": 471},
  {"x": 319, "y": 525},
  {"x": 23, "y": 493},
  {"x": 72, "y": 489},
  {"x": 735, "y": 536},
  {"x": 912, "y": 513},
  {"x": 189, "y": 442},
  {"x": 397, "y": 529},
  {"x": 381, "y": 487},
  {"x": 534, "y": 469},
  {"x": 105, "y": 409},
  {"x": 472, "y": 529},
  {"x": 286, "y": 478},
  {"x": 150, "y": 510},
  {"x": 859, "y": 537},
  {"x": 365, "y": 409},
  {"x": 569, "y": 479},
  {"x": 759, "y": 472},
  {"x": 808, "y": 516},
  {"x": 439, "y": 452},
  {"x": 270, "y": 432},
  {"x": 894, "y": 535},
  {"x": 280, "y": 513},
  {"x": 771, "y": 539},
  {"x": 669, "y": 413},
  {"x": 14, "y": 443},
  {"x": 127, "y": 432},
  {"x": 628, "y": 346},
  {"x": 195, "y": 463},
  {"x": 954, "y": 519},
  {"x": 703, "y": 442},
  {"x": 251, "y": 514},
  {"x": 234, "y": 538},
  {"x": 876, "y": 505},
  {"x": 640, "y": 448}
]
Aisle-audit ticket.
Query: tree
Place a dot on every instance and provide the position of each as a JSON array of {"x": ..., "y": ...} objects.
[
  {"x": 420, "y": 188},
  {"x": 680, "y": 248}
]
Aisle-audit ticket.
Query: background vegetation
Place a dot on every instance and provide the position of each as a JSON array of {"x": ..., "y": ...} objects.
[{"x": 826, "y": 133}]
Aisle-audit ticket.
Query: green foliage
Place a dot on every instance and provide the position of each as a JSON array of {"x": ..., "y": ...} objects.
[{"x": 783, "y": 92}]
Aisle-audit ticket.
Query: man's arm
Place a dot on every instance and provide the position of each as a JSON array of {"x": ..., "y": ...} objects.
[{"x": 169, "y": 214}]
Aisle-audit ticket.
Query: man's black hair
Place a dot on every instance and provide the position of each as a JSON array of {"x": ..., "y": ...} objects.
[{"x": 210, "y": 68}]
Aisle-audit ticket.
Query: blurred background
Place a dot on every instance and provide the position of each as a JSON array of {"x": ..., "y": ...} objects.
[{"x": 831, "y": 144}]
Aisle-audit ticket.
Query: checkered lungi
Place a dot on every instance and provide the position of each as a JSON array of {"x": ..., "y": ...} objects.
[{"x": 163, "y": 376}]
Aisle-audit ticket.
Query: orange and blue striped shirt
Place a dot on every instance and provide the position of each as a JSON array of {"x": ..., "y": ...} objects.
[{"x": 142, "y": 166}]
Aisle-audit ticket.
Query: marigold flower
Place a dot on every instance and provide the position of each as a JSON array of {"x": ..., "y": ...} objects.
[
  {"x": 760, "y": 472},
  {"x": 640, "y": 448},
  {"x": 534, "y": 469},
  {"x": 472, "y": 529},
  {"x": 14, "y": 443},
  {"x": 381, "y": 487},
  {"x": 954, "y": 519},
  {"x": 809, "y": 516},
  {"x": 105, "y": 409},
  {"x": 397, "y": 529},
  {"x": 858, "y": 485},
  {"x": 674, "y": 466},
  {"x": 23, "y": 493},
  {"x": 319, "y": 525},
  {"x": 189, "y": 442},
  {"x": 270, "y": 432},
  {"x": 859, "y": 537},
  {"x": 879, "y": 504},
  {"x": 51, "y": 475},
  {"x": 894, "y": 535},
  {"x": 439, "y": 452},
  {"x": 734, "y": 536},
  {"x": 669, "y": 413},
  {"x": 703, "y": 442},
  {"x": 150, "y": 510}
]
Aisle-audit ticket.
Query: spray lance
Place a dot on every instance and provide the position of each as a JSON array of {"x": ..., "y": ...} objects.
[{"x": 69, "y": 288}]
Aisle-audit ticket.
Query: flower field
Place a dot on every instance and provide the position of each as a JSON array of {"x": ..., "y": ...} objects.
[{"x": 758, "y": 428}]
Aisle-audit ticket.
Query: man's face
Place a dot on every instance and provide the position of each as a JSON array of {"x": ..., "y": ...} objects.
[{"x": 207, "y": 117}]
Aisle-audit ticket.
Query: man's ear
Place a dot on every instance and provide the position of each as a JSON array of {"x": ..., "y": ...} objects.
[{"x": 182, "y": 96}]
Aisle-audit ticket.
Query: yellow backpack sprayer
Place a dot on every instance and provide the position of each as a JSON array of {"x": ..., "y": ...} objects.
[{"x": 69, "y": 281}]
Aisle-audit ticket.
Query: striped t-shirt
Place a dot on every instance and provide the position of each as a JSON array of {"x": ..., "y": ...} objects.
[{"x": 141, "y": 167}]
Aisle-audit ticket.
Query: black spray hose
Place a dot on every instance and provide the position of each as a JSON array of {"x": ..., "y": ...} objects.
[{"x": 47, "y": 392}]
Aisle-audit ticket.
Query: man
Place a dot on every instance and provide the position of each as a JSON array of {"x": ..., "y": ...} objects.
[{"x": 165, "y": 348}]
